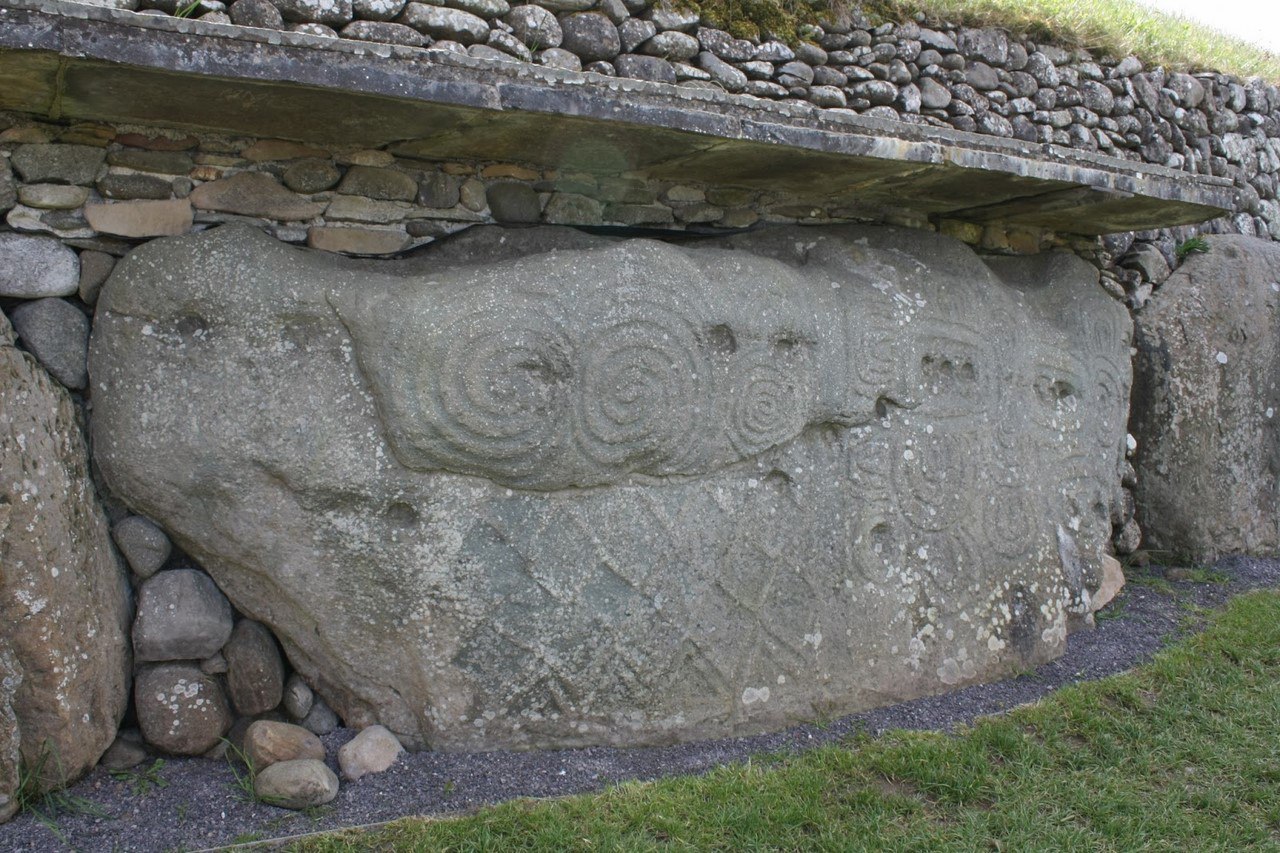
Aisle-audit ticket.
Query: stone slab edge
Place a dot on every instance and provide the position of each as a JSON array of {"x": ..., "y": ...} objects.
[{"x": 226, "y": 51}]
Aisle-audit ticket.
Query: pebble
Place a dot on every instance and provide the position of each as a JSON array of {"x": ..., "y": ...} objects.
[{"x": 373, "y": 750}]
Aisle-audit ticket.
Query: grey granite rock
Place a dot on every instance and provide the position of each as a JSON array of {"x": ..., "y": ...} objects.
[
  {"x": 534, "y": 26},
  {"x": 440, "y": 22},
  {"x": 256, "y": 13},
  {"x": 182, "y": 615},
  {"x": 671, "y": 45},
  {"x": 35, "y": 266},
  {"x": 722, "y": 72},
  {"x": 634, "y": 32},
  {"x": 1206, "y": 404},
  {"x": 144, "y": 545},
  {"x": 57, "y": 334},
  {"x": 645, "y": 68},
  {"x": 590, "y": 36},
  {"x": 555, "y": 57},
  {"x": 377, "y": 10},
  {"x": 607, "y": 465},
  {"x": 67, "y": 164},
  {"x": 332, "y": 13},
  {"x": 386, "y": 32}
]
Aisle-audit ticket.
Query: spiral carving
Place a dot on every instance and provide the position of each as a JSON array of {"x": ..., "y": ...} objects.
[
  {"x": 645, "y": 388},
  {"x": 767, "y": 408},
  {"x": 502, "y": 386}
]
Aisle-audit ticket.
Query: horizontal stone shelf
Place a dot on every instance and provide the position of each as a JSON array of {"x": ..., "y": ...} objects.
[{"x": 71, "y": 61}]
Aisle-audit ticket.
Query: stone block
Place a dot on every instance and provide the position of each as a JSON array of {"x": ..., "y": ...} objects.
[
  {"x": 140, "y": 219},
  {"x": 701, "y": 488},
  {"x": 1206, "y": 404}
]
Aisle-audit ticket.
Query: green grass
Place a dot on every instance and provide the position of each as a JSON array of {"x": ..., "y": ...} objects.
[
  {"x": 1179, "y": 755},
  {"x": 1104, "y": 27}
]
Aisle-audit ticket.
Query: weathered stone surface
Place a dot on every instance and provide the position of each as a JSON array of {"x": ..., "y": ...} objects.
[
  {"x": 512, "y": 202},
  {"x": 385, "y": 32},
  {"x": 94, "y": 269},
  {"x": 535, "y": 26},
  {"x": 376, "y": 183},
  {"x": 141, "y": 218},
  {"x": 623, "y": 491},
  {"x": 254, "y": 194},
  {"x": 256, "y": 13},
  {"x": 65, "y": 164},
  {"x": 8, "y": 188},
  {"x": 443, "y": 23},
  {"x": 297, "y": 698},
  {"x": 265, "y": 150},
  {"x": 32, "y": 267},
  {"x": 145, "y": 547},
  {"x": 57, "y": 334},
  {"x": 330, "y": 12},
  {"x": 267, "y": 742},
  {"x": 255, "y": 672},
  {"x": 297, "y": 784},
  {"x": 1206, "y": 406},
  {"x": 373, "y": 750},
  {"x": 181, "y": 616},
  {"x": 357, "y": 241},
  {"x": 321, "y": 719},
  {"x": 64, "y": 659},
  {"x": 311, "y": 176},
  {"x": 122, "y": 186},
  {"x": 180, "y": 709},
  {"x": 591, "y": 36},
  {"x": 53, "y": 196}
]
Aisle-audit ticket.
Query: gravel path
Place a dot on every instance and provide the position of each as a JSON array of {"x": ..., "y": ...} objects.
[{"x": 200, "y": 805}]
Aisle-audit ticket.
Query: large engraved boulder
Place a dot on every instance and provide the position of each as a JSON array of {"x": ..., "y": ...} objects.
[
  {"x": 1206, "y": 409},
  {"x": 64, "y": 602},
  {"x": 535, "y": 488}
]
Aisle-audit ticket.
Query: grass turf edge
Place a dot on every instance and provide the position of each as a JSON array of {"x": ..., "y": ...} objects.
[{"x": 1182, "y": 751}]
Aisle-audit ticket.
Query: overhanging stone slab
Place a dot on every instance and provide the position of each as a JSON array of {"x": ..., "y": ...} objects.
[{"x": 69, "y": 61}]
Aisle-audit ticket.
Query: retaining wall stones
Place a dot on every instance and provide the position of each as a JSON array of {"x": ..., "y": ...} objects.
[{"x": 985, "y": 81}]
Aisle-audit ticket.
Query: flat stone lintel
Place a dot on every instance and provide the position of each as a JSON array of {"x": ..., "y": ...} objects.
[{"x": 71, "y": 61}]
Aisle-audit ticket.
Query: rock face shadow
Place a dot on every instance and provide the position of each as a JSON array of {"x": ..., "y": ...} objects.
[{"x": 539, "y": 489}]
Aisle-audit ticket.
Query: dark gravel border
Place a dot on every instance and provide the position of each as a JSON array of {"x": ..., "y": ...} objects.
[{"x": 201, "y": 807}]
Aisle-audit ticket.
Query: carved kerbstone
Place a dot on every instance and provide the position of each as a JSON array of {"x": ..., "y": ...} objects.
[{"x": 534, "y": 488}]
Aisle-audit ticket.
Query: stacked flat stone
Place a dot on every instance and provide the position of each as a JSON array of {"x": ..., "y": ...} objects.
[{"x": 977, "y": 80}]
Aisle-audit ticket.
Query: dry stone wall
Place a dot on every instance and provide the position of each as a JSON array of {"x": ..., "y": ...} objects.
[{"x": 979, "y": 80}]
